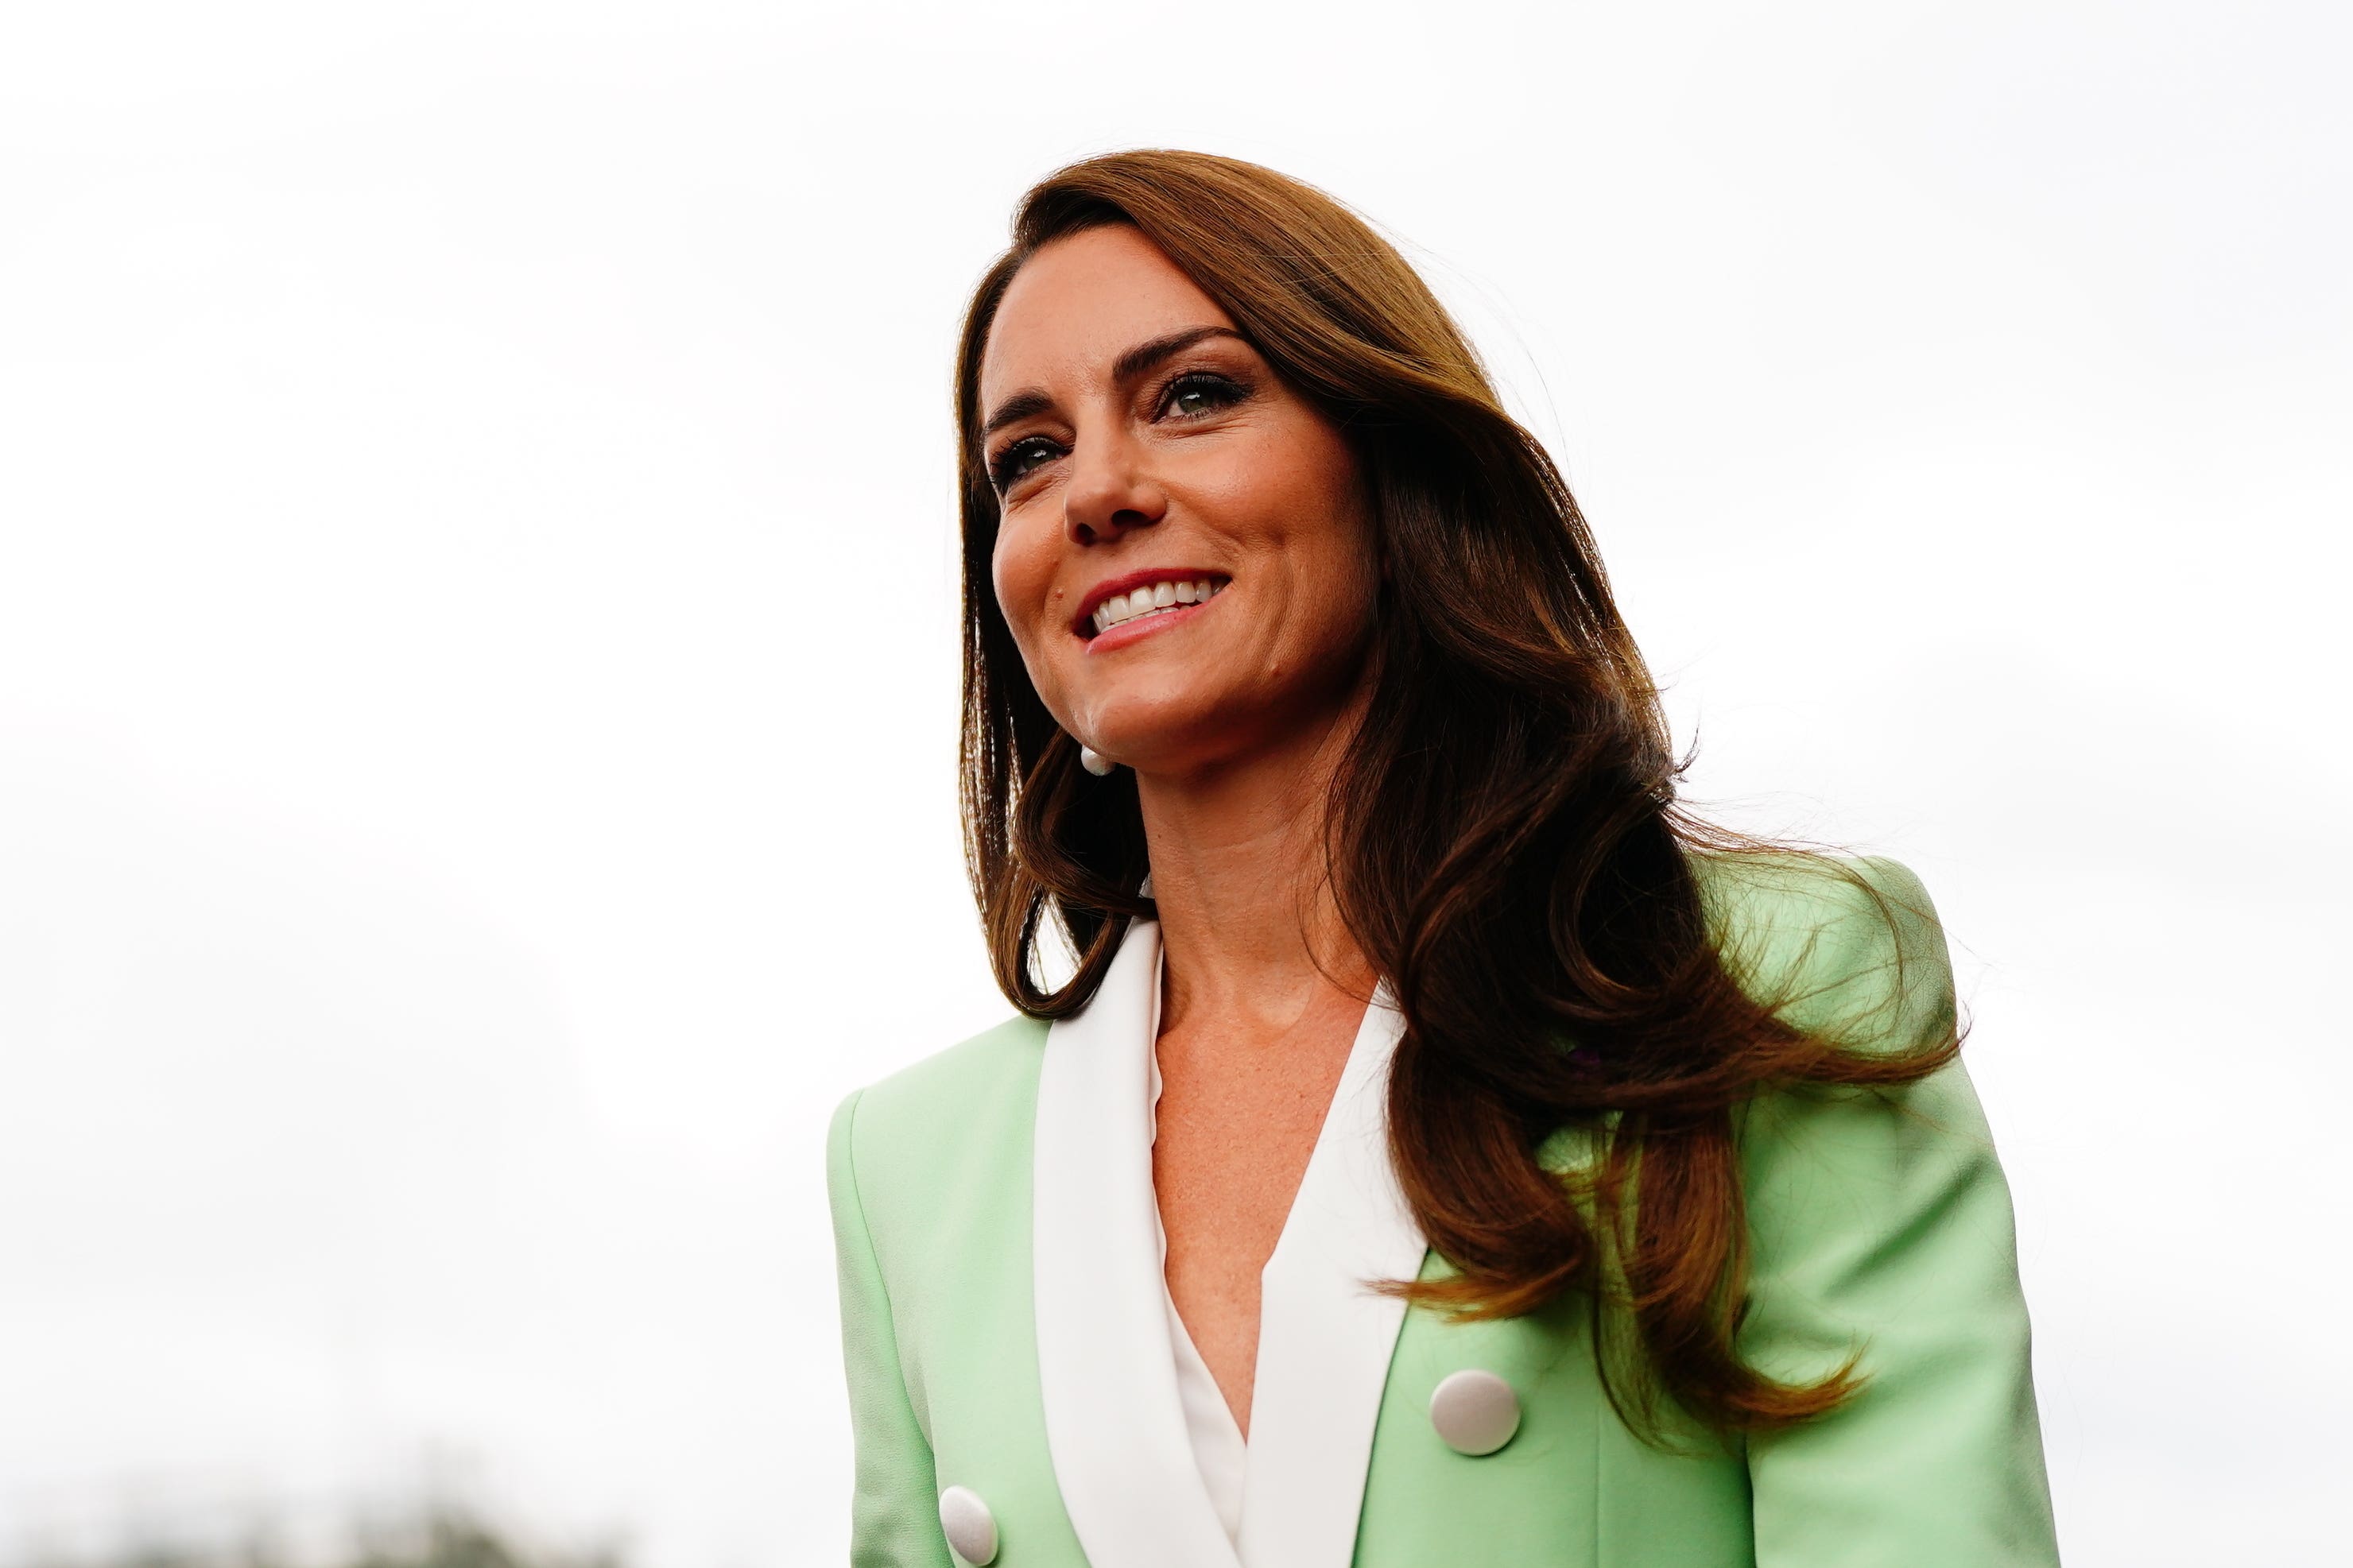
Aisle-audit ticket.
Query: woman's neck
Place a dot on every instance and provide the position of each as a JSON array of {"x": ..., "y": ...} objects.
[{"x": 1248, "y": 923}]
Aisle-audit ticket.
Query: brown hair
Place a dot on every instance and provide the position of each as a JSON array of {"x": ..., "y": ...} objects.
[{"x": 1503, "y": 842}]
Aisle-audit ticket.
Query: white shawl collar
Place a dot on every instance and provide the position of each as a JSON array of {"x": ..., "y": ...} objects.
[{"x": 1114, "y": 1423}]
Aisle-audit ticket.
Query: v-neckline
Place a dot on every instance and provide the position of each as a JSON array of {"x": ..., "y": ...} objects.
[
  {"x": 1221, "y": 1451},
  {"x": 1182, "y": 1331},
  {"x": 1116, "y": 1425}
]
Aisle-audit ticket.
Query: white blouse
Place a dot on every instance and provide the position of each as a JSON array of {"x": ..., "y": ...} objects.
[{"x": 1153, "y": 1467}]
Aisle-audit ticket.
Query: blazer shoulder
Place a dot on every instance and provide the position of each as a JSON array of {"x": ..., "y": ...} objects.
[
  {"x": 970, "y": 1101},
  {"x": 1845, "y": 946},
  {"x": 987, "y": 1061},
  {"x": 1746, "y": 892}
]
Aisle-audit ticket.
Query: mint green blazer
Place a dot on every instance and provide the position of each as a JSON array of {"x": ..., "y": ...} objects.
[{"x": 1001, "y": 1302}]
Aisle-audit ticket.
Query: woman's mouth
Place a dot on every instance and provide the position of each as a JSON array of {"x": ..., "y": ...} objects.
[
  {"x": 1153, "y": 599},
  {"x": 1121, "y": 609}
]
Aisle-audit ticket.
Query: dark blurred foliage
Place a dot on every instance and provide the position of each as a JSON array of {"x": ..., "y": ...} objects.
[
  {"x": 435, "y": 1536},
  {"x": 451, "y": 1539}
]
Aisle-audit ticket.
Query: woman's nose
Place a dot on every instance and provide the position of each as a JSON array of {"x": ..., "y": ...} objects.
[{"x": 1109, "y": 492}]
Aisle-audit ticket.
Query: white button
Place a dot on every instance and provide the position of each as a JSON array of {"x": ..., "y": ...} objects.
[
  {"x": 970, "y": 1527},
  {"x": 1475, "y": 1411}
]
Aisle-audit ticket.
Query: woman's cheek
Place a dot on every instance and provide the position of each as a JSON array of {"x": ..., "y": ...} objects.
[
  {"x": 1020, "y": 586},
  {"x": 1022, "y": 576}
]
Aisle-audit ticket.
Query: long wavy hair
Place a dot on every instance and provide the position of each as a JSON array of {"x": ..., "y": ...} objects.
[{"x": 1503, "y": 841}]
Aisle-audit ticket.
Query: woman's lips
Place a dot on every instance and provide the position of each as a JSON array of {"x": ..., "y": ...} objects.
[
  {"x": 1121, "y": 598},
  {"x": 1136, "y": 630}
]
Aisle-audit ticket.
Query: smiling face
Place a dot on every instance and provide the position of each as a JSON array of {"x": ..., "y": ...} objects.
[{"x": 1140, "y": 446}]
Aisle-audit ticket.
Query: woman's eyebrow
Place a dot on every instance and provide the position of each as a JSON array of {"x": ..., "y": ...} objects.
[
  {"x": 1144, "y": 355},
  {"x": 1130, "y": 365},
  {"x": 1013, "y": 409}
]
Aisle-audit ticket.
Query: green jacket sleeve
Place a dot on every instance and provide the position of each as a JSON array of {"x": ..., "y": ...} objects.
[
  {"x": 1881, "y": 1225},
  {"x": 894, "y": 1511}
]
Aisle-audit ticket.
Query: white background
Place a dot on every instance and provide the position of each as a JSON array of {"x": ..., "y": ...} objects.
[{"x": 477, "y": 668}]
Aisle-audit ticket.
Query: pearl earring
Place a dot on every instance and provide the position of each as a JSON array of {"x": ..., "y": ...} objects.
[{"x": 1095, "y": 763}]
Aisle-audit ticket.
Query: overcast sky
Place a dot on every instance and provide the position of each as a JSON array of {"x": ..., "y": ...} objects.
[{"x": 478, "y": 668}]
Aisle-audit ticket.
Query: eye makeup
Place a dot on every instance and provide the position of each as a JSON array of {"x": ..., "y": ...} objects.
[{"x": 1007, "y": 465}]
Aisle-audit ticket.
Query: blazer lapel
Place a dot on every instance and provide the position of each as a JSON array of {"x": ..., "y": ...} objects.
[
  {"x": 1324, "y": 1340},
  {"x": 1107, "y": 1370}
]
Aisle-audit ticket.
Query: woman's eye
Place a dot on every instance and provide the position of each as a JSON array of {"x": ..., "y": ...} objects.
[
  {"x": 1190, "y": 396},
  {"x": 1014, "y": 462}
]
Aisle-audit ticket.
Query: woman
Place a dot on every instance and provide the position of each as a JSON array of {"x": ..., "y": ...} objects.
[{"x": 1446, "y": 1151}]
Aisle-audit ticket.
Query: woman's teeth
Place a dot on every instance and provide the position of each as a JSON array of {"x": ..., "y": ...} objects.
[{"x": 1151, "y": 601}]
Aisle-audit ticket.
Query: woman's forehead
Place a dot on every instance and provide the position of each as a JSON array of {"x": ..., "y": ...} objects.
[{"x": 1080, "y": 303}]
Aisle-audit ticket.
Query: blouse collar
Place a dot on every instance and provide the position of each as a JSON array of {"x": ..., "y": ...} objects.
[{"x": 1114, "y": 1418}]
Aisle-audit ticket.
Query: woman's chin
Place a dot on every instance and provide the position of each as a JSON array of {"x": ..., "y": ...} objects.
[{"x": 1216, "y": 745}]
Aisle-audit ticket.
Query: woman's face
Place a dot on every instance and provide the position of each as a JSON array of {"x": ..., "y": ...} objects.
[{"x": 1138, "y": 445}]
